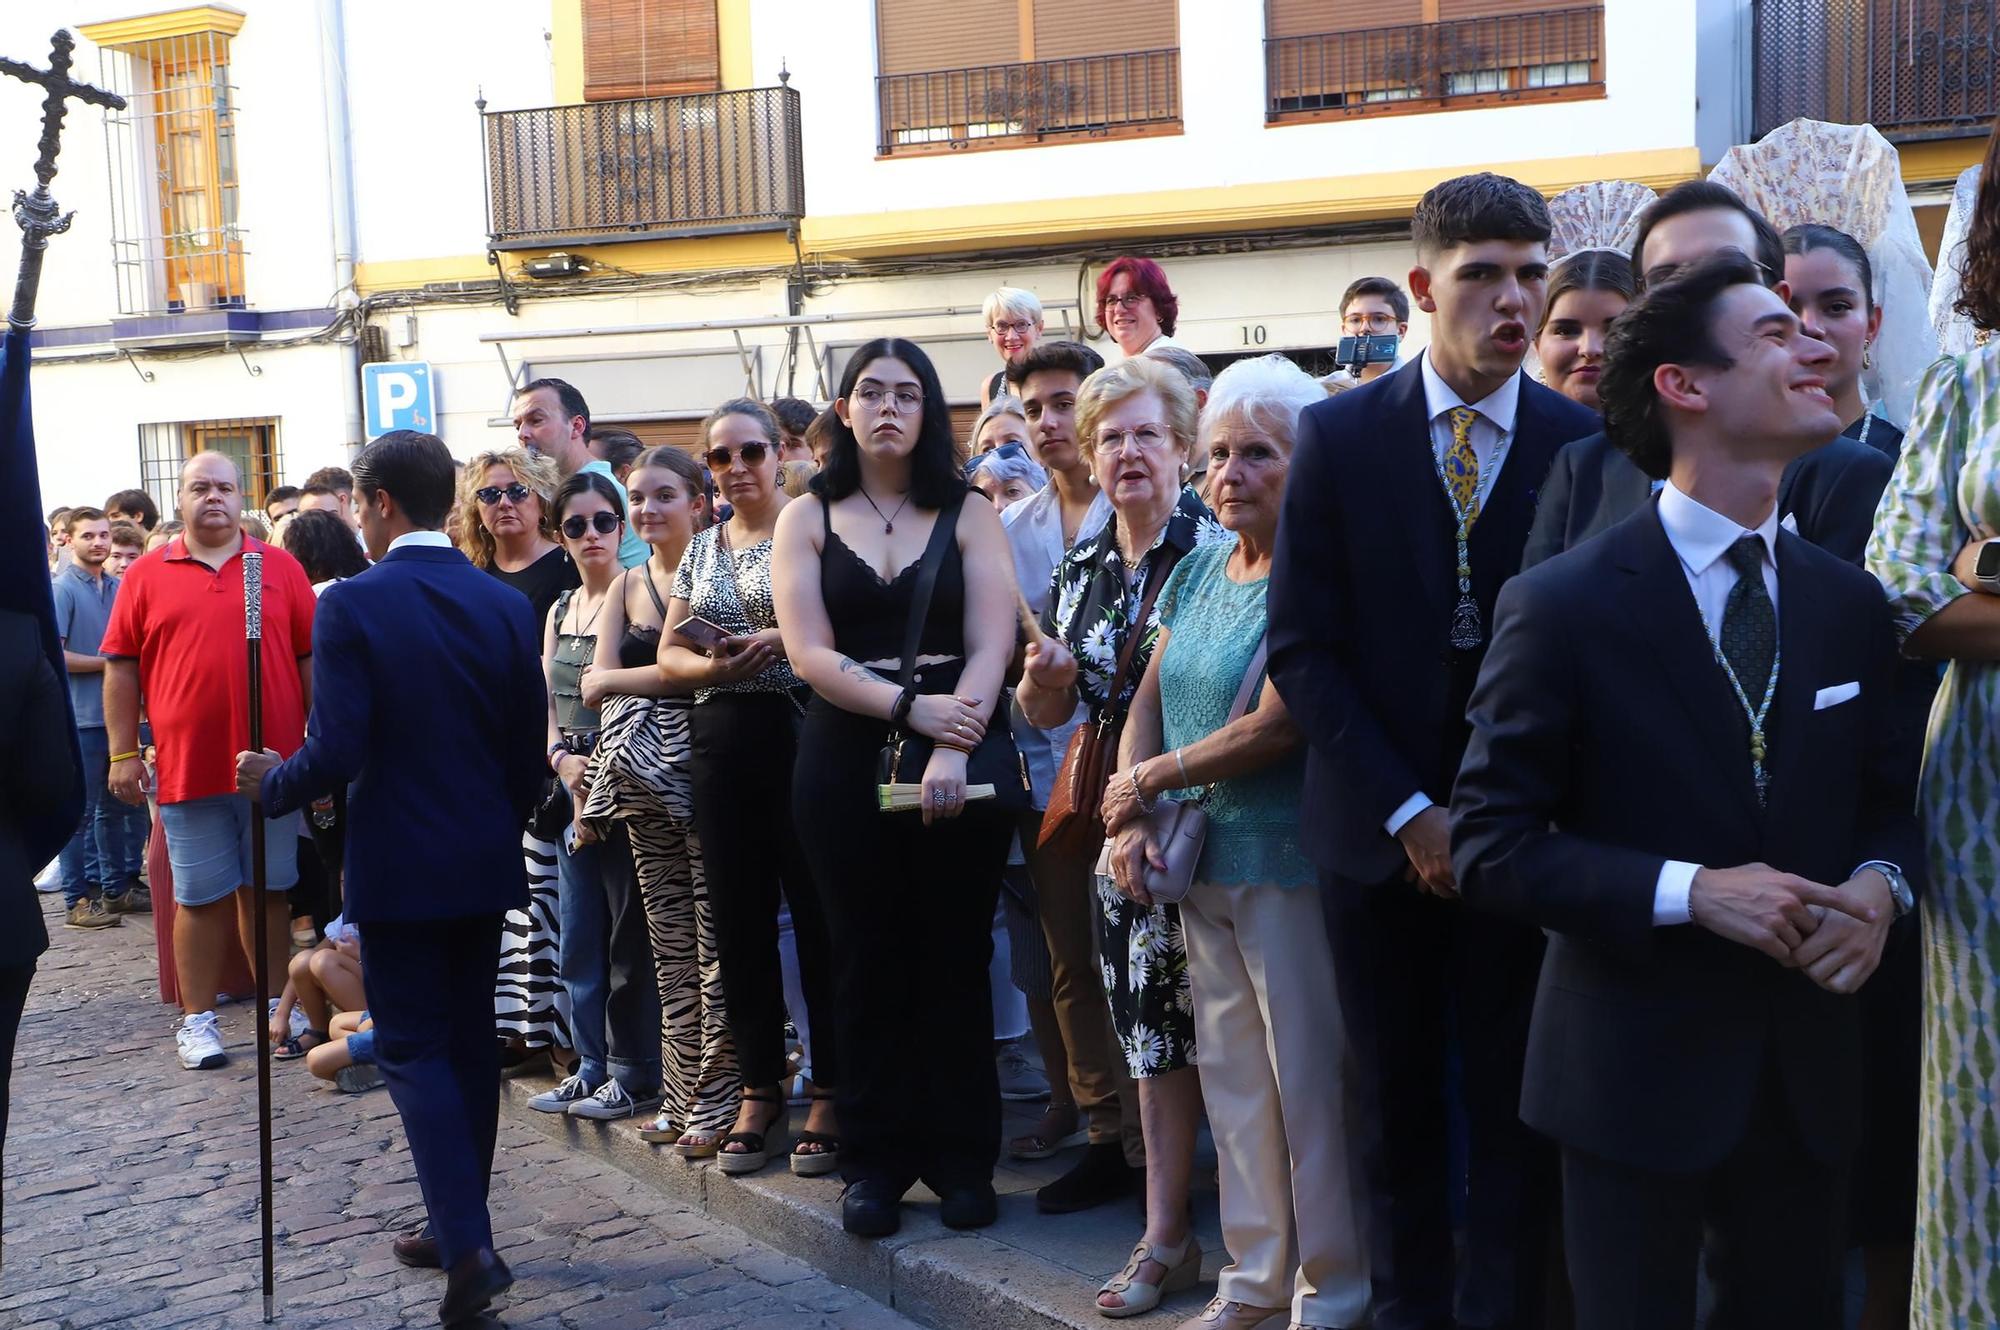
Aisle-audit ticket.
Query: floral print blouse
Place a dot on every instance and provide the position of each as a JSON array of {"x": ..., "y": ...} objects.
[{"x": 1092, "y": 605}]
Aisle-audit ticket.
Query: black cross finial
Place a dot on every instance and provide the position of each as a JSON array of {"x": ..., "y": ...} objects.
[{"x": 60, "y": 87}]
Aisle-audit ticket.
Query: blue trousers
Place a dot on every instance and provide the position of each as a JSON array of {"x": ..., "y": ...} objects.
[
  {"x": 430, "y": 992},
  {"x": 606, "y": 960},
  {"x": 109, "y": 844}
]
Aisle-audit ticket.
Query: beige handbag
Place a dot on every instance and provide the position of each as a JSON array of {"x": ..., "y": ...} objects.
[{"x": 1178, "y": 828}]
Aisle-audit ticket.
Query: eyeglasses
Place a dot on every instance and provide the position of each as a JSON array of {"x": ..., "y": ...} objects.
[
  {"x": 1005, "y": 452},
  {"x": 1013, "y": 329},
  {"x": 1377, "y": 322},
  {"x": 751, "y": 454},
  {"x": 1128, "y": 301},
  {"x": 906, "y": 399},
  {"x": 491, "y": 494},
  {"x": 604, "y": 523},
  {"x": 1147, "y": 437}
]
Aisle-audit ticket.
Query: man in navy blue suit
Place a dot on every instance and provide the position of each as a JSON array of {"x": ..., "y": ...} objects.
[
  {"x": 429, "y": 711},
  {"x": 1685, "y": 765},
  {"x": 1408, "y": 503}
]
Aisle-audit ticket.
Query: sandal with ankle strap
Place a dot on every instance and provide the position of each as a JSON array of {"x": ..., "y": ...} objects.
[
  {"x": 822, "y": 1161},
  {"x": 1183, "y": 1270},
  {"x": 756, "y": 1151}
]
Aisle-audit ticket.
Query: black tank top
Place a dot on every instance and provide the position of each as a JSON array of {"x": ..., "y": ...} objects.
[
  {"x": 870, "y": 615},
  {"x": 640, "y": 647}
]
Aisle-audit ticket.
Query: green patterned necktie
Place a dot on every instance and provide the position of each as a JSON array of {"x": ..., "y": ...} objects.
[{"x": 1750, "y": 631}]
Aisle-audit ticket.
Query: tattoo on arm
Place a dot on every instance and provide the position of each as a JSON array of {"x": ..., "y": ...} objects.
[{"x": 849, "y": 665}]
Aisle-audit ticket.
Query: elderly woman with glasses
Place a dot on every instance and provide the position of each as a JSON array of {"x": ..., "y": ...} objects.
[
  {"x": 506, "y": 525},
  {"x": 724, "y": 644},
  {"x": 1138, "y": 418},
  {"x": 1001, "y": 466},
  {"x": 1266, "y": 1011},
  {"x": 1136, "y": 306},
  {"x": 1013, "y": 325}
]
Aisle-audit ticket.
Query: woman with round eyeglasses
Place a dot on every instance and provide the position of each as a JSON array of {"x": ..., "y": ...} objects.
[
  {"x": 506, "y": 512},
  {"x": 724, "y": 645},
  {"x": 1136, "y": 306},
  {"x": 1013, "y": 325},
  {"x": 1587, "y": 291},
  {"x": 606, "y": 956}
]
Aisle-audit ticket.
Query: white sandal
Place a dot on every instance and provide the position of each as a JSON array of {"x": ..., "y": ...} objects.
[{"x": 1183, "y": 1265}]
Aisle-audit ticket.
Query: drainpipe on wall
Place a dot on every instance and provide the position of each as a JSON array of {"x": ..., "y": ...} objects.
[{"x": 340, "y": 189}]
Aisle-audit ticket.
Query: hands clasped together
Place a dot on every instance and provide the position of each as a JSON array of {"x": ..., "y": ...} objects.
[{"x": 1834, "y": 934}]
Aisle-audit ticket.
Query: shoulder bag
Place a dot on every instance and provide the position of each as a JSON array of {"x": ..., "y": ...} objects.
[{"x": 1179, "y": 827}]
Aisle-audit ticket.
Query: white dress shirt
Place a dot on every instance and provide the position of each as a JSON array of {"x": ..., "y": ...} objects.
[
  {"x": 1493, "y": 427},
  {"x": 1701, "y": 537},
  {"x": 1034, "y": 527},
  {"x": 432, "y": 539}
]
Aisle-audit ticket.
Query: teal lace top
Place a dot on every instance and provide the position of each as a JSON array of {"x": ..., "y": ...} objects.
[{"x": 1215, "y": 625}]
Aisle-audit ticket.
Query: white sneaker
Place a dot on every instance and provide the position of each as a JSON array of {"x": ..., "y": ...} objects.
[
  {"x": 200, "y": 1041},
  {"x": 571, "y": 1090}
]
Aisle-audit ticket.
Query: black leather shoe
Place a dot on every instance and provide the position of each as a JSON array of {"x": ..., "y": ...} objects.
[
  {"x": 418, "y": 1249},
  {"x": 969, "y": 1207},
  {"x": 472, "y": 1286},
  {"x": 1101, "y": 1175},
  {"x": 871, "y": 1209}
]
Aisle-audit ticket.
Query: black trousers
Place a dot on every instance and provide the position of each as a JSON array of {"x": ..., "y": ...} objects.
[
  {"x": 743, "y": 746},
  {"x": 1424, "y": 985},
  {"x": 911, "y": 909},
  {"x": 430, "y": 993},
  {"x": 14, "y": 981},
  {"x": 1774, "y": 1217}
]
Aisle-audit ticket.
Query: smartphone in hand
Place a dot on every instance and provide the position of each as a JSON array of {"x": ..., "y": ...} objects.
[{"x": 702, "y": 633}]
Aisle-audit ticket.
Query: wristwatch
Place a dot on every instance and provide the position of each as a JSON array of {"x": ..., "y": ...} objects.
[
  {"x": 562, "y": 748},
  {"x": 1986, "y": 568},
  {"x": 1899, "y": 886}
]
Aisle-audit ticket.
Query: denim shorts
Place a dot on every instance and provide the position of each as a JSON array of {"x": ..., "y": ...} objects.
[
  {"x": 208, "y": 845},
  {"x": 361, "y": 1045}
]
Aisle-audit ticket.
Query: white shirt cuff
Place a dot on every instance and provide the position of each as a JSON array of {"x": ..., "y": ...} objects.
[
  {"x": 1670, "y": 893},
  {"x": 1405, "y": 811}
]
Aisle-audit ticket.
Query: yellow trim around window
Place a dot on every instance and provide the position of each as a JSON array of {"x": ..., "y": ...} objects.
[
  {"x": 566, "y": 51},
  {"x": 732, "y": 32},
  {"x": 173, "y": 23}
]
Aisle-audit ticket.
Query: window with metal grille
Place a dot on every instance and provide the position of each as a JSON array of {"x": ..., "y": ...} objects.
[
  {"x": 252, "y": 444},
  {"x": 176, "y": 243}
]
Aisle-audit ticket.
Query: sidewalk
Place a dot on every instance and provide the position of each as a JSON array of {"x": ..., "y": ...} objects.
[{"x": 131, "y": 1193}]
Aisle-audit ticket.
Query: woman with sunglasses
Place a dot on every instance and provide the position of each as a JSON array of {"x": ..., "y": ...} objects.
[
  {"x": 725, "y": 647},
  {"x": 606, "y": 958},
  {"x": 910, "y": 893},
  {"x": 506, "y": 525}
]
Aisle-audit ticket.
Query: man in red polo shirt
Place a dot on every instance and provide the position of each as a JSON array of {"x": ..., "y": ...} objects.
[{"x": 176, "y": 637}]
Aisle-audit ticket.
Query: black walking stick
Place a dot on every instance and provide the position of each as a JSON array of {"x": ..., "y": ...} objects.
[{"x": 253, "y": 632}]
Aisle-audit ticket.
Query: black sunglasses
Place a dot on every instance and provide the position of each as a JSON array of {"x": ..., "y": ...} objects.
[
  {"x": 1006, "y": 451},
  {"x": 604, "y": 522},
  {"x": 751, "y": 454},
  {"x": 490, "y": 494}
]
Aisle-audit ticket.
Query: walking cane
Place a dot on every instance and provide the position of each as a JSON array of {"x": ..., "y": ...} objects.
[{"x": 253, "y": 632}]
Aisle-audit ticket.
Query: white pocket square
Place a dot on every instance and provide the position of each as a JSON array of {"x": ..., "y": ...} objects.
[
  {"x": 1791, "y": 523},
  {"x": 1834, "y": 696}
]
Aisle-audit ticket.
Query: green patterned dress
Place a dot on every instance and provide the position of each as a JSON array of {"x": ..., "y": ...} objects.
[{"x": 1949, "y": 478}]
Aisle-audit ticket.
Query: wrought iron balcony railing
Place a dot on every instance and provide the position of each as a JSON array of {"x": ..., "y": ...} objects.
[
  {"x": 643, "y": 168},
  {"x": 1436, "y": 66},
  {"x": 1086, "y": 96},
  {"x": 1915, "y": 69}
]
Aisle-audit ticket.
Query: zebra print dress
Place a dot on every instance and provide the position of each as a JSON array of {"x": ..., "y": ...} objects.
[
  {"x": 529, "y": 1001},
  {"x": 639, "y": 776}
]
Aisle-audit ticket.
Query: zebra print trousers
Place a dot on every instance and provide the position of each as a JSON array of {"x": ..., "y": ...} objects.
[{"x": 700, "y": 1081}]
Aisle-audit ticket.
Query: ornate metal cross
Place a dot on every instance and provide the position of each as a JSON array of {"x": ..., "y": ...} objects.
[{"x": 37, "y": 213}]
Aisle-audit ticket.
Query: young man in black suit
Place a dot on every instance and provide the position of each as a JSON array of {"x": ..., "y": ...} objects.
[
  {"x": 1683, "y": 766},
  {"x": 1828, "y": 495},
  {"x": 1407, "y": 506}
]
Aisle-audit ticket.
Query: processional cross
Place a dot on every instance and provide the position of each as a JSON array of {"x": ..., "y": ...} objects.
[{"x": 37, "y": 213}]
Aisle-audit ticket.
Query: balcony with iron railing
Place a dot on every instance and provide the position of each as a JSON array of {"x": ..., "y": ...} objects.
[
  {"x": 644, "y": 168},
  {"x": 1128, "y": 94},
  {"x": 1550, "y": 55},
  {"x": 1915, "y": 69}
]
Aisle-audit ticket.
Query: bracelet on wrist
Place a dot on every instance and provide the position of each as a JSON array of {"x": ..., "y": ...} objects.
[
  {"x": 1181, "y": 762},
  {"x": 1139, "y": 795},
  {"x": 953, "y": 747},
  {"x": 899, "y": 714},
  {"x": 125, "y": 757}
]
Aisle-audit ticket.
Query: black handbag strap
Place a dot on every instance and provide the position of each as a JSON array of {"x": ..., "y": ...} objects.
[{"x": 927, "y": 576}]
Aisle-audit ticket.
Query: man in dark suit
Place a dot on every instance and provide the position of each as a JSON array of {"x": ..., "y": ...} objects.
[
  {"x": 1408, "y": 503},
  {"x": 1683, "y": 734},
  {"x": 1828, "y": 495},
  {"x": 429, "y": 710}
]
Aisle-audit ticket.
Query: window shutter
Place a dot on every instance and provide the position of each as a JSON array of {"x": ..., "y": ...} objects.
[
  {"x": 1457, "y": 9},
  {"x": 918, "y": 36},
  {"x": 1306, "y": 18},
  {"x": 649, "y": 48},
  {"x": 1064, "y": 29}
]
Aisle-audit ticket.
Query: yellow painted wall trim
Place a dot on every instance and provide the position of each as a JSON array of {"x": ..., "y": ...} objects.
[
  {"x": 566, "y": 51},
  {"x": 172, "y": 23},
  {"x": 1940, "y": 160},
  {"x": 1354, "y": 198},
  {"x": 696, "y": 254},
  {"x": 732, "y": 32}
]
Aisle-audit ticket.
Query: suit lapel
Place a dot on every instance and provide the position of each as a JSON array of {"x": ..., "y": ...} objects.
[
  {"x": 1412, "y": 470},
  {"x": 1799, "y": 667},
  {"x": 1660, "y": 605},
  {"x": 1509, "y": 511}
]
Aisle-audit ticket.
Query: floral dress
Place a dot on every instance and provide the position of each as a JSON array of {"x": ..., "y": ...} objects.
[
  {"x": 1949, "y": 479},
  {"x": 1092, "y": 605}
]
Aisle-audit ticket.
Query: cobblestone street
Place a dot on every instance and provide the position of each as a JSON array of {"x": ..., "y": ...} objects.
[{"x": 131, "y": 1193}]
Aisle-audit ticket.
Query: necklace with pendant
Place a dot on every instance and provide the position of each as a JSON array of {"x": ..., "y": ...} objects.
[{"x": 888, "y": 519}]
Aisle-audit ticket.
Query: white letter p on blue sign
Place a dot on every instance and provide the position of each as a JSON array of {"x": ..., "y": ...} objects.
[{"x": 398, "y": 396}]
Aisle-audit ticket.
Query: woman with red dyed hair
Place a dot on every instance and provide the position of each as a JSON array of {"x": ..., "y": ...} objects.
[{"x": 1136, "y": 306}]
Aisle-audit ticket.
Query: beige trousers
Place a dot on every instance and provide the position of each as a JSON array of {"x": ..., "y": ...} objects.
[{"x": 1267, "y": 1021}]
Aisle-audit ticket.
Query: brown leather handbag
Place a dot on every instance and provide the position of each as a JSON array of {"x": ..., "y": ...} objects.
[{"x": 1074, "y": 822}]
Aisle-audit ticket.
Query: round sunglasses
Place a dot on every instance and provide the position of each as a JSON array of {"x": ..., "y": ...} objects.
[
  {"x": 604, "y": 522},
  {"x": 751, "y": 454}
]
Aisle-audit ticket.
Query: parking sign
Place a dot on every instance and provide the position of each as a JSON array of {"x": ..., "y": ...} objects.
[{"x": 398, "y": 394}]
